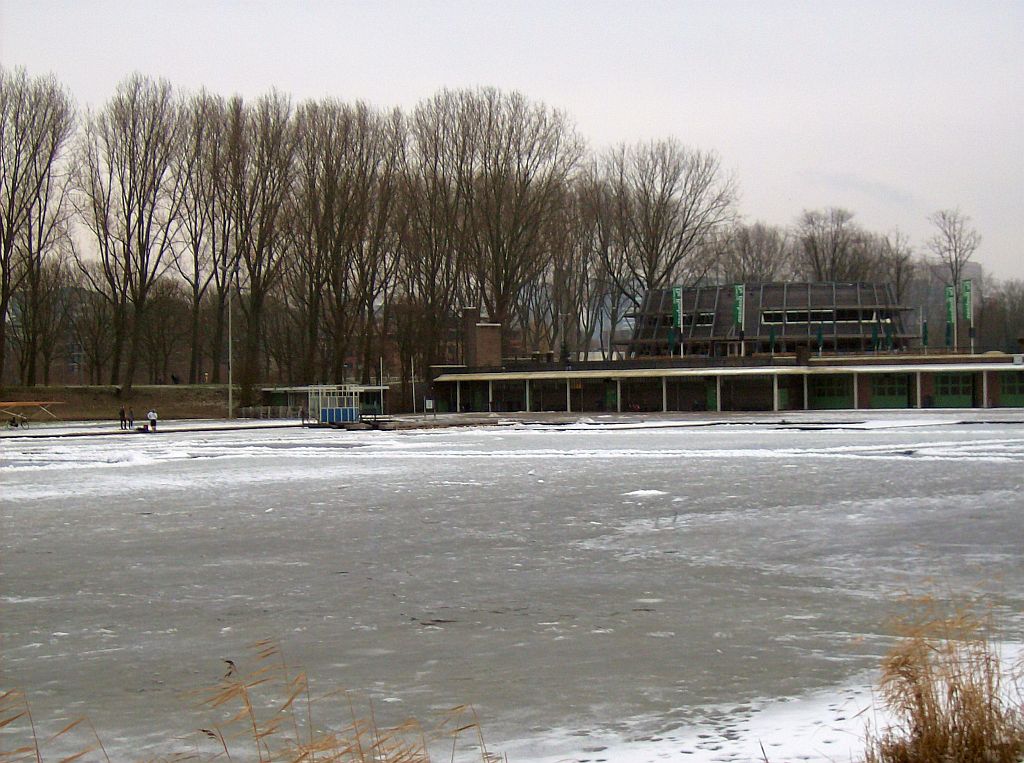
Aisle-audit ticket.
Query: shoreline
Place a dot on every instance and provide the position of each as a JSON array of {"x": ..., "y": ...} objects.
[{"x": 557, "y": 421}]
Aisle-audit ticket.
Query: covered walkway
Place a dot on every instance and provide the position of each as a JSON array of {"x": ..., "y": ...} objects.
[{"x": 977, "y": 382}]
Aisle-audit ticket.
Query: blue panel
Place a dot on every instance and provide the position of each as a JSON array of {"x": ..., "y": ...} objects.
[{"x": 339, "y": 415}]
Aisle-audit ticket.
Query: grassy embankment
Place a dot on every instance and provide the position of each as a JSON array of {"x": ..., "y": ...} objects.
[{"x": 171, "y": 401}]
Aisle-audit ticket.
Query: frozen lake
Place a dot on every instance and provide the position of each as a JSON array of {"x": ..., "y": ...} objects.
[{"x": 663, "y": 592}]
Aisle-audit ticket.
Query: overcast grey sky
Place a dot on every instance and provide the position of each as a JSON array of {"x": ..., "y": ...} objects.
[{"x": 890, "y": 109}]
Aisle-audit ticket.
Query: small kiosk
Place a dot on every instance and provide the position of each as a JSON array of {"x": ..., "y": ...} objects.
[
  {"x": 324, "y": 404},
  {"x": 334, "y": 403}
]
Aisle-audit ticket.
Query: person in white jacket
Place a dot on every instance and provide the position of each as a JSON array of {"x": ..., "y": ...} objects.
[{"x": 152, "y": 420}]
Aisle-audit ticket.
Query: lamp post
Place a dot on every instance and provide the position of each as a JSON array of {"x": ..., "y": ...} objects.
[
  {"x": 232, "y": 278},
  {"x": 231, "y": 385}
]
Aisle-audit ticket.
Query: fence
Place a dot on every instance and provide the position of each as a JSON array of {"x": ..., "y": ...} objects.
[{"x": 269, "y": 412}]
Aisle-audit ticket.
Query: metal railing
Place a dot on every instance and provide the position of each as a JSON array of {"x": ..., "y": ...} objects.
[{"x": 269, "y": 412}]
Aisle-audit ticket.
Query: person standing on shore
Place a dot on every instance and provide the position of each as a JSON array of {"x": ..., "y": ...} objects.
[
  {"x": 152, "y": 420},
  {"x": 124, "y": 420},
  {"x": 131, "y": 418}
]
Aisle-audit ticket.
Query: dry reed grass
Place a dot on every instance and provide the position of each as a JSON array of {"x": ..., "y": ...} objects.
[
  {"x": 267, "y": 715},
  {"x": 952, "y": 698},
  {"x": 15, "y": 709}
]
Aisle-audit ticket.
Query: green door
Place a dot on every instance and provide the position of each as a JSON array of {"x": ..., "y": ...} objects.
[
  {"x": 890, "y": 391},
  {"x": 712, "y": 395},
  {"x": 954, "y": 390},
  {"x": 830, "y": 392},
  {"x": 1011, "y": 389},
  {"x": 611, "y": 396}
]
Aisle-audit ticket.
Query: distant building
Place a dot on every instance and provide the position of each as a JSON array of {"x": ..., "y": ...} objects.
[
  {"x": 780, "y": 347},
  {"x": 775, "y": 317}
]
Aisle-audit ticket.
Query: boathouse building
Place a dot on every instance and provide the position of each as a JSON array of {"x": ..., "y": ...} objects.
[{"x": 752, "y": 347}]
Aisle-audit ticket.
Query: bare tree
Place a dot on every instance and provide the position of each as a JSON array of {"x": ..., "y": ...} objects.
[
  {"x": 42, "y": 249},
  {"x": 433, "y": 254},
  {"x": 283, "y": 322},
  {"x": 954, "y": 241},
  {"x": 261, "y": 146},
  {"x": 43, "y": 302},
  {"x": 91, "y": 318},
  {"x": 607, "y": 300},
  {"x": 670, "y": 201},
  {"x": 523, "y": 154},
  {"x": 898, "y": 263},
  {"x": 831, "y": 247},
  {"x": 344, "y": 191},
  {"x": 167, "y": 328},
  {"x": 204, "y": 255},
  {"x": 1001, "y": 318},
  {"x": 373, "y": 236},
  {"x": 554, "y": 307},
  {"x": 312, "y": 240},
  {"x": 128, "y": 196},
  {"x": 755, "y": 253},
  {"x": 36, "y": 121},
  {"x": 41, "y": 297}
]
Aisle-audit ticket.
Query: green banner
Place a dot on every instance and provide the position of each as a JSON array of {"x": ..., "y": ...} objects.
[
  {"x": 966, "y": 300},
  {"x": 950, "y": 304},
  {"x": 677, "y": 307},
  {"x": 737, "y": 306}
]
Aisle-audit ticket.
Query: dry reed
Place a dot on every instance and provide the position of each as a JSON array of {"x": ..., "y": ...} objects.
[
  {"x": 952, "y": 698},
  {"x": 267, "y": 715},
  {"x": 269, "y": 712}
]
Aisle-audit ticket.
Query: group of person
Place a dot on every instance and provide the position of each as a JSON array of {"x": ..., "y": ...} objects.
[{"x": 128, "y": 419}]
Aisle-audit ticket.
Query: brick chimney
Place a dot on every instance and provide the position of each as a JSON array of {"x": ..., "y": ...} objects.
[
  {"x": 470, "y": 317},
  {"x": 481, "y": 341}
]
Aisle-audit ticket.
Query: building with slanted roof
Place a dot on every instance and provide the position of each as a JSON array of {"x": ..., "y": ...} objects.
[
  {"x": 775, "y": 347},
  {"x": 720, "y": 321}
]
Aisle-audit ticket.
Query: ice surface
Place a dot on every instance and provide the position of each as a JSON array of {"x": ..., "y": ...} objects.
[{"x": 642, "y": 588}]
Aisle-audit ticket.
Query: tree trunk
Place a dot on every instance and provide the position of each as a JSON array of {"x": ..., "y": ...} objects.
[
  {"x": 308, "y": 370},
  {"x": 368, "y": 360},
  {"x": 195, "y": 353},
  {"x": 118, "y": 349},
  {"x": 4, "y": 304},
  {"x": 251, "y": 352},
  {"x": 134, "y": 347},
  {"x": 31, "y": 356},
  {"x": 217, "y": 347},
  {"x": 30, "y": 352},
  {"x": 340, "y": 351}
]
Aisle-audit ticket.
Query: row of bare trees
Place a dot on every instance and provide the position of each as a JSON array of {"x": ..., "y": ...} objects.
[
  {"x": 330, "y": 231},
  {"x": 36, "y": 125},
  {"x": 828, "y": 245}
]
